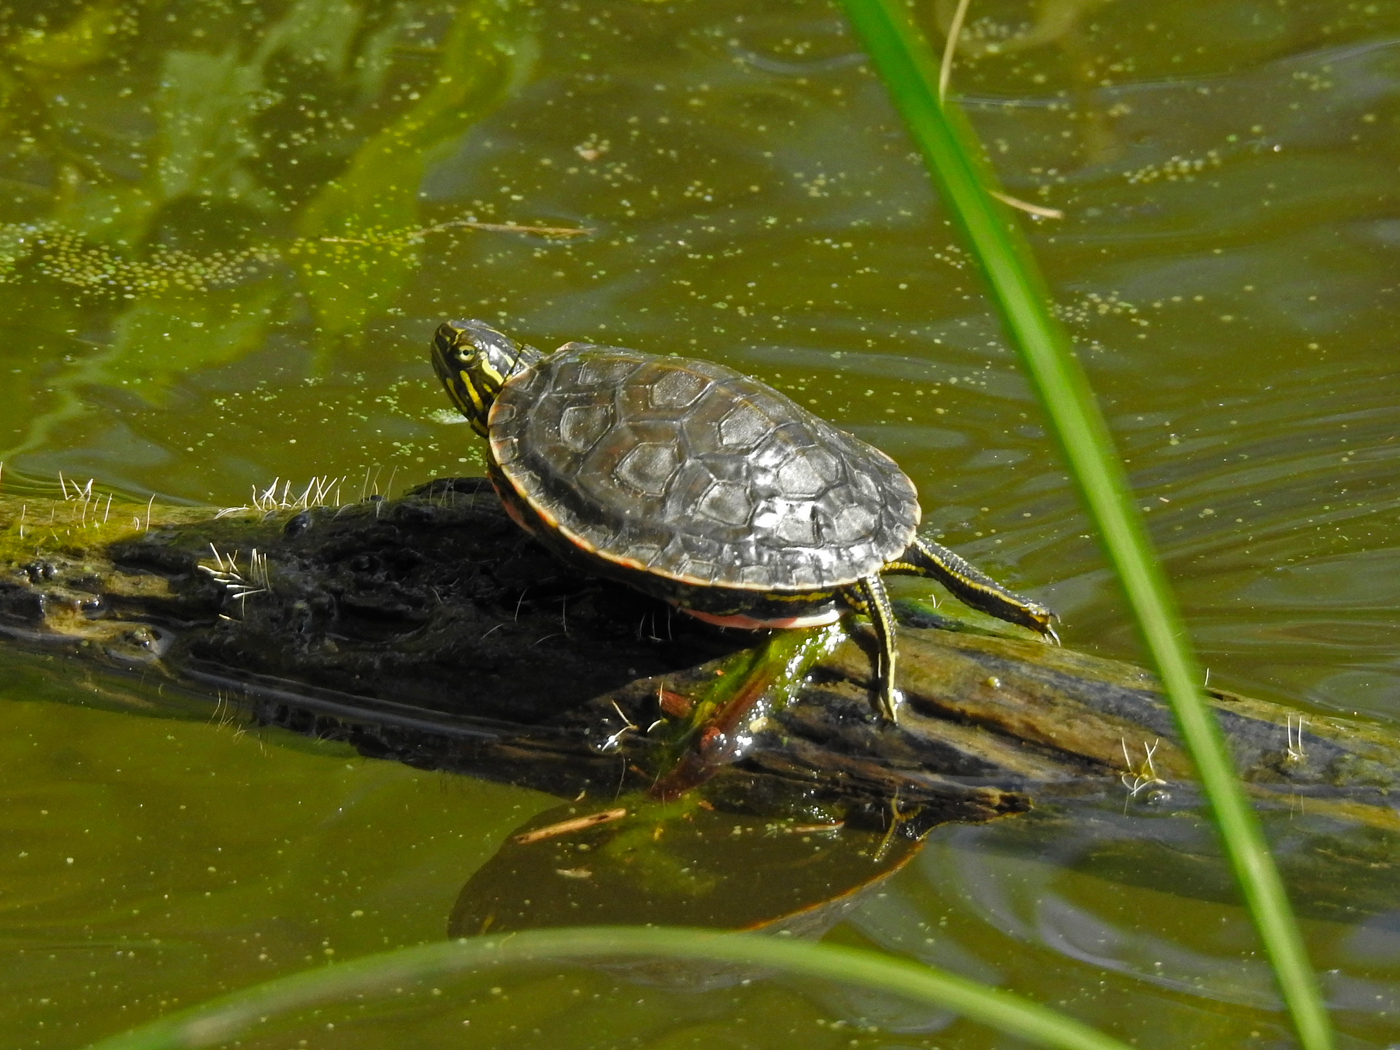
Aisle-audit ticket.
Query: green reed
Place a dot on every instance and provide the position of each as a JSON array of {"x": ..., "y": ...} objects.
[
  {"x": 410, "y": 969},
  {"x": 963, "y": 179}
]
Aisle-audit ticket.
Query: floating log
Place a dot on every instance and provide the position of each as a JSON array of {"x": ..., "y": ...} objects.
[{"x": 429, "y": 629}]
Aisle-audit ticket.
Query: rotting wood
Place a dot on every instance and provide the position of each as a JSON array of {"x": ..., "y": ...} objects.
[{"x": 430, "y": 630}]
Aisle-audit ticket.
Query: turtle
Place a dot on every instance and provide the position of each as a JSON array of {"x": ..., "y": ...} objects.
[{"x": 704, "y": 487}]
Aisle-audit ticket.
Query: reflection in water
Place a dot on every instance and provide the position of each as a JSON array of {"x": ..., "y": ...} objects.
[
  {"x": 681, "y": 863},
  {"x": 1057, "y": 891}
]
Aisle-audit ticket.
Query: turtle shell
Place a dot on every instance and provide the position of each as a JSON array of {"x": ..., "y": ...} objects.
[{"x": 694, "y": 472}]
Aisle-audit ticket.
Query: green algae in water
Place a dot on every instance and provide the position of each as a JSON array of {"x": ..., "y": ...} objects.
[{"x": 1256, "y": 407}]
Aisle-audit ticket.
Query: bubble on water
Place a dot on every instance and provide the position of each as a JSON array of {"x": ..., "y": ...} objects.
[
  {"x": 65, "y": 255},
  {"x": 1176, "y": 169},
  {"x": 1087, "y": 307}
]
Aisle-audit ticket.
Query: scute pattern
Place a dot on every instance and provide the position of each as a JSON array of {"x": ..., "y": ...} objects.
[{"x": 693, "y": 471}]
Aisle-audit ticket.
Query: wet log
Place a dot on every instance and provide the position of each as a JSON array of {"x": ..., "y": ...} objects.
[{"x": 430, "y": 630}]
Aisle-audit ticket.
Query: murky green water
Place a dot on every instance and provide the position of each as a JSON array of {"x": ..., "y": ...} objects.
[{"x": 218, "y": 275}]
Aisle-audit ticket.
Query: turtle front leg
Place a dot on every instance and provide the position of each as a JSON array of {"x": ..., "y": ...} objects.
[
  {"x": 973, "y": 587},
  {"x": 867, "y": 596}
]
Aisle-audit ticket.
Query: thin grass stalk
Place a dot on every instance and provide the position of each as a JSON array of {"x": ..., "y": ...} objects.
[
  {"x": 234, "y": 1016},
  {"x": 964, "y": 182}
]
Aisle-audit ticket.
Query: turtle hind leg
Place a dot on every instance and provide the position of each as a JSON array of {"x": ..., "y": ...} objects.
[
  {"x": 973, "y": 587},
  {"x": 867, "y": 596}
]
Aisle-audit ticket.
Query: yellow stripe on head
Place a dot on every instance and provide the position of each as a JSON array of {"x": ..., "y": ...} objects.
[{"x": 474, "y": 361}]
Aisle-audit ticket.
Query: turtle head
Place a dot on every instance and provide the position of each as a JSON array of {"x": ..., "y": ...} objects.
[{"x": 474, "y": 361}]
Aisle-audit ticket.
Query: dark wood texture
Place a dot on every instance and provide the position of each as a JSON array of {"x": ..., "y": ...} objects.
[{"x": 430, "y": 630}]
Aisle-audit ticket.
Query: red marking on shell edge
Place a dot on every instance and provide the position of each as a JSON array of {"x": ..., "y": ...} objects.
[
  {"x": 515, "y": 515},
  {"x": 512, "y": 512},
  {"x": 752, "y": 623}
]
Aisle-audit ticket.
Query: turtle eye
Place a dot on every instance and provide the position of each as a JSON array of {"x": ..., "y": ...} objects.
[{"x": 462, "y": 352}]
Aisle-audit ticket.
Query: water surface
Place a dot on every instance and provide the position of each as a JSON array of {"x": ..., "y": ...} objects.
[{"x": 227, "y": 241}]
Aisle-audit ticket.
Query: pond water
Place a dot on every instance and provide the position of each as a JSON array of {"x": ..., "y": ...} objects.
[{"x": 228, "y": 230}]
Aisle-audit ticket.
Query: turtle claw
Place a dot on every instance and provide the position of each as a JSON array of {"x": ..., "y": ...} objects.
[{"x": 887, "y": 706}]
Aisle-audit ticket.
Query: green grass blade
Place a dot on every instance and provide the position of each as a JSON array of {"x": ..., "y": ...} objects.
[
  {"x": 229, "y": 1018},
  {"x": 910, "y": 73}
]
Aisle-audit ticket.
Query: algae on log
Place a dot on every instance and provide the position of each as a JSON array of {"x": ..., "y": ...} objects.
[{"x": 429, "y": 629}]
